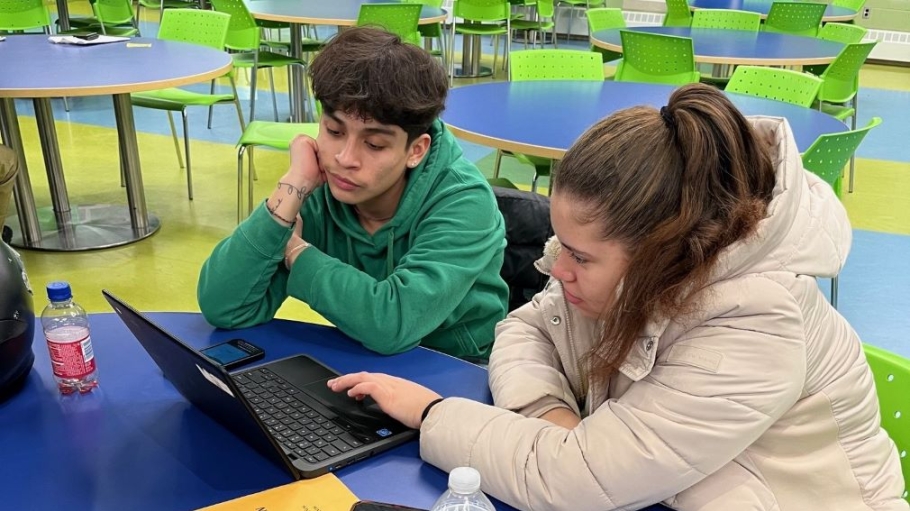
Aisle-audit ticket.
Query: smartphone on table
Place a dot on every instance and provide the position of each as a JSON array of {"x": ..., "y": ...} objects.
[
  {"x": 369, "y": 505},
  {"x": 233, "y": 353}
]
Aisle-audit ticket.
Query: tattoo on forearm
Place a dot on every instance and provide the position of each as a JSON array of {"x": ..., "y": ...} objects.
[{"x": 302, "y": 192}]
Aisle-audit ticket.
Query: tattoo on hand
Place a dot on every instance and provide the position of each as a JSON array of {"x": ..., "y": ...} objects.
[{"x": 302, "y": 192}]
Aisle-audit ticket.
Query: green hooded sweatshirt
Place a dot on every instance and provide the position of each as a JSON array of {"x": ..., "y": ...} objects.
[{"x": 429, "y": 276}]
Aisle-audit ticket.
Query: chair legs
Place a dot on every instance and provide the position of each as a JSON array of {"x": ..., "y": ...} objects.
[
  {"x": 170, "y": 120},
  {"x": 274, "y": 99},
  {"x": 853, "y": 127},
  {"x": 834, "y": 292},
  {"x": 186, "y": 149}
]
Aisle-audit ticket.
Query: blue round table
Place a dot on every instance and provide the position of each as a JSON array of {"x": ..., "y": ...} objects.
[
  {"x": 737, "y": 47},
  {"x": 832, "y": 13},
  {"x": 35, "y": 68},
  {"x": 136, "y": 444},
  {"x": 545, "y": 118},
  {"x": 318, "y": 12}
]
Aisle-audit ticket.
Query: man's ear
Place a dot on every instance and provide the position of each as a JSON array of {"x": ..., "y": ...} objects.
[{"x": 418, "y": 149}]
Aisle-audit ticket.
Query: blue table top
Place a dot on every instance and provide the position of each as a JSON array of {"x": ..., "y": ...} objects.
[
  {"x": 322, "y": 12},
  {"x": 137, "y": 444},
  {"x": 545, "y": 118},
  {"x": 33, "y": 67},
  {"x": 832, "y": 13},
  {"x": 719, "y": 46}
]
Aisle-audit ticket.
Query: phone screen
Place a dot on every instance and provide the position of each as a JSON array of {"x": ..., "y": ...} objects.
[
  {"x": 365, "y": 505},
  {"x": 233, "y": 353}
]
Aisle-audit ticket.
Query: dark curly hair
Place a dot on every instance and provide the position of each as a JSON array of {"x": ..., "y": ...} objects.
[{"x": 373, "y": 74}]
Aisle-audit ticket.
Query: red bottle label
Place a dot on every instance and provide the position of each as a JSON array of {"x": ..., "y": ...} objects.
[{"x": 72, "y": 359}]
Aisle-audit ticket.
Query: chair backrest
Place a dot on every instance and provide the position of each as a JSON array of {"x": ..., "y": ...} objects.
[
  {"x": 840, "y": 81},
  {"x": 400, "y": 19},
  {"x": 829, "y": 154},
  {"x": 842, "y": 33},
  {"x": 527, "y": 219},
  {"x": 891, "y": 373},
  {"x": 777, "y": 84},
  {"x": 482, "y": 10},
  {"x": 729, "y": 19},
  {"x": 603, "y": 18},
  {"x": 205, "y": 28},
  {"x": 797, "y": 18},
  {"x": 656, "y": 58},
  {"x": 18, "y": 15},
  {"x": 428, "y": 29},
  {"x": 856, "y": 5},
  {"x": 678, "y": 14},
  {"x": 113, "y": 12},
  {"x": 555, "y": 65},
  {"x": 546, "y": 9},
  {"x": 243, "y": 33}
]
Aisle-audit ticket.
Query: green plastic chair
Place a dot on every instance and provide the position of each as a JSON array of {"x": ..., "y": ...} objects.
[
  {"x": 891, "y": 373},
  {"x": 111, "y": 17},
  {"x": 840, "y": 33},
  {"x": 277, "y": 135},
  {"x": 22, "y": 15},
  {"x": 399, "y": 19},
  {"x": 838, "y": 95},
  {"x": 656, "y": 58},
  {"x": 778, "y": 84},
  {"x": 549, "y": 65},
  {"x": 546, "y": 21},
  {"x": 729, "y": 19},
  {"x": 604, "y": 18},
  {"x": 678, "y": 14},
  {"x": 796, "y": 18},
  {"x": 161, "y": 5},
  {"x": 575, "y": 5},
  {"x": 480, "y": 17},
  {"x": 828, "y": 156},
  {"x": 205, "y": 28},
  {"x": 432, "y": 31},
  {"x": 244, "y": 37},
  {"x": 856, "y": 5}
]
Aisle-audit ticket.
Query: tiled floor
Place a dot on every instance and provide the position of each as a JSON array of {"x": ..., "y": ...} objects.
[{"x": 160, "y": 273}]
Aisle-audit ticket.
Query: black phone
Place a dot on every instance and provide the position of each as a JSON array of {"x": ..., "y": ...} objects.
[
  {"x": 368, "y": 505},
  {"x": 87, "y": 36},
  {"x": 233, "y": 353}
]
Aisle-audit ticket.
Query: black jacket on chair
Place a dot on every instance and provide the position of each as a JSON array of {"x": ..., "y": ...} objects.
[{"x": 527, "y": 218}]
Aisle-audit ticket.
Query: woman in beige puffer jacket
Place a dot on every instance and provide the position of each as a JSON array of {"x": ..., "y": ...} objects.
[{"x": 682, "y": 352}]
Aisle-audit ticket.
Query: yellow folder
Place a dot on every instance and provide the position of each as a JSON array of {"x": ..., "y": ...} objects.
[{"x": 325, "y": 493}]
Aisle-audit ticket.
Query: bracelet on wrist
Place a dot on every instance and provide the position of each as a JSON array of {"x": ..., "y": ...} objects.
[
  {"x": 291, "y": 252},
  {"x": 426, "y": 411},
  {"x": 275, "y": 215}
]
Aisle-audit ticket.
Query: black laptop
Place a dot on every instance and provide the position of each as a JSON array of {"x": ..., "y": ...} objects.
[{"x": 282, "y": 408}]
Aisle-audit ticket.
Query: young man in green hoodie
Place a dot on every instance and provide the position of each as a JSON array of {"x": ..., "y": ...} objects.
[{"x": 380, "y": 224}]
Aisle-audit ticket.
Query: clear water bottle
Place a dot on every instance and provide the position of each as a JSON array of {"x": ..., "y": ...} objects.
[
  {"x": 464, "y": 493},
  {"x": 68, "y": 341}
]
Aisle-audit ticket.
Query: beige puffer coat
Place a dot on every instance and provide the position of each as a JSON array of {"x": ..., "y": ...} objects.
[{"x": 762, "y": 401}]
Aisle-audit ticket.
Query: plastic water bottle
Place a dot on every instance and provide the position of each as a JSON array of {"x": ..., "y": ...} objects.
[
  {"x": 68, "y": 341},
  {"x": 464, "y": 493}
]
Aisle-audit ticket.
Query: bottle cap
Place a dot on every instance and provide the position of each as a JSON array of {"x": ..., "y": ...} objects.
[
  {"x": 464, "y": 480},
  {"x": 59, "y": 291}
]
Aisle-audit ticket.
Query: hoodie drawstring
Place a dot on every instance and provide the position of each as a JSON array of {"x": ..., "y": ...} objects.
[{"x": 389, "y": 262}]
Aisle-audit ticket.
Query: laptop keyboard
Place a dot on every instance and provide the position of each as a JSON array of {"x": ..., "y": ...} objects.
[{"x": 302, "y": 431}]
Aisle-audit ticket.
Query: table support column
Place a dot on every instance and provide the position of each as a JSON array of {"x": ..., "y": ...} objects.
[
  {"x": 25, "y": 200},
  {"x": 63, "y": 16},
  {"x": 129, "y": 161},
  {"x": 471, "y": 52},
  {"x": 44, "y": 115},
  {"x": 298, "y": 91}
]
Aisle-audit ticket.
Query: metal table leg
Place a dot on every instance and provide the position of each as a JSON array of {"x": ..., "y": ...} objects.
[
  {"x": 298, "y": 91},
  {"x": 85, "y": 227},
  {"x": 63, "y": 15},
  {"x": 25, "y": 201},
  {"x": 471, "y": 47}
]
